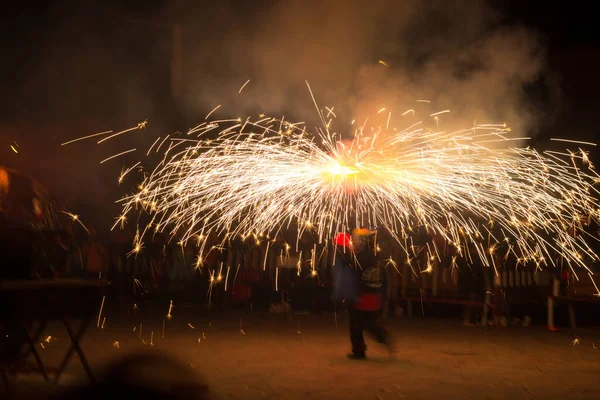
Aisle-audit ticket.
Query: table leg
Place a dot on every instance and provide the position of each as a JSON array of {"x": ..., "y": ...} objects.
[
  {"x": 572, "y": 319},
  {"x": 75, "y": 337},
  {"x": 35, "y": 353},
  {"x": 36, "y": 336}
]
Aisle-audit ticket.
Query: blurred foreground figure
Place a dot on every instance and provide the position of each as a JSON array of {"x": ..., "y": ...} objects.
[
  {"x": 16, "y": 244},
  {"x": 16, "y": 241},
  {"x": 360, "y": 282},
  {"x": 147, "y": 376}
]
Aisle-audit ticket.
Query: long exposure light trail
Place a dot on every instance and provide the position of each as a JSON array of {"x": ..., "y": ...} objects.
[{"x": 242, "y": 176}]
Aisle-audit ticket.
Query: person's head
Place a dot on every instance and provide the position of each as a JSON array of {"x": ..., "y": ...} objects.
[
  {"x": 361, "y": 238},
  {"x": 342, "y": 240}
]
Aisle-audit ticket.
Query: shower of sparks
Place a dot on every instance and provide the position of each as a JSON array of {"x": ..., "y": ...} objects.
[
  {"x": 169, "y": 316},
  {"x": 226, "y": 278},
  {"x": 243, "y": 86},
  {"x": 75, "y": 218},
  {"x": 213, "y": 110},
  {"x": 100, "y": 312},
  {"x": 117, "y": 155},
  {"x": 153, "y": 144},
  {"x": 141, "y": 125},
  {"x": 472, "y": 188},
  {"x": 439, "y": 113},
  {"x": 573, "y": 141},
  {"x": 86, "y": 137},
  {"x": 124, "y": 171}
]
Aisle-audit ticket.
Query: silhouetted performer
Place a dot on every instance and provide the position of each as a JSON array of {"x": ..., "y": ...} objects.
[{"x": 360, "y": 281}]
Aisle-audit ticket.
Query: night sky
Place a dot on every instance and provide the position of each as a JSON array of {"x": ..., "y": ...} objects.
[{"x": 71, "y": 69}]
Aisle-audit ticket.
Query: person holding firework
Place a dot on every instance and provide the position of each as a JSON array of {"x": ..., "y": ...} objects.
[{"x": 360, "y": 282}]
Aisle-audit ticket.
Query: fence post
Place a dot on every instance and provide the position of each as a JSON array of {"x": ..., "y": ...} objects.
[
  {"x": 555, "y": 292},
  {"x": 572, "y": 319},
  {"x": 488, "y": 295}
]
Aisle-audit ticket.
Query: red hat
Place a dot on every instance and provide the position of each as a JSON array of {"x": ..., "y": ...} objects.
[{"x": 342, "y": 239}]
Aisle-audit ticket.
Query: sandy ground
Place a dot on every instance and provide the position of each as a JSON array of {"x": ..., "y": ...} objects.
[{"x": 243, "y": 355}]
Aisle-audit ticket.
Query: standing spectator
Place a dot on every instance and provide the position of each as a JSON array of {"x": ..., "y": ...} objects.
[{"x": 95, "y": 256}]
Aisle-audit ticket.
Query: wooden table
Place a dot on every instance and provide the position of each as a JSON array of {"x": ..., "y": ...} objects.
[{"x": 23, "y": 303}]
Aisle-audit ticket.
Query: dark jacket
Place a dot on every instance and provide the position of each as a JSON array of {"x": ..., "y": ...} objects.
[
  {"x": 345, "y": 277},
  {"x": 356, "y": 274}
]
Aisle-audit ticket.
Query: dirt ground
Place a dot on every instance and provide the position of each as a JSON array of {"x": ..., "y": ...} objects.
[{"x": 244, "y": 355}]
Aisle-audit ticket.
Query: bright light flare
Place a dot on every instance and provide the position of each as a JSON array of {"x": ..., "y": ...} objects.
[{"x": 337, "y": 170}]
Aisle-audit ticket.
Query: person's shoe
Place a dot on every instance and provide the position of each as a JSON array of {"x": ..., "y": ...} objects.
[{"x": 390, "y": 343}]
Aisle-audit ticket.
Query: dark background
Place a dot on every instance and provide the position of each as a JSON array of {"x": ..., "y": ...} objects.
[{"x": 74, "y": 68}]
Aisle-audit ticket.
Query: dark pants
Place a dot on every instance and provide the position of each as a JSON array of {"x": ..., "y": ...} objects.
[{"x": 369, "y": 320}]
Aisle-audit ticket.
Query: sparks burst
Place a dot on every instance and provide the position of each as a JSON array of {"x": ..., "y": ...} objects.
[{"x": 470, "y": 187}]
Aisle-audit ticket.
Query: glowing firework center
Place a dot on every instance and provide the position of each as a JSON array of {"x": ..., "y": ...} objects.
[
  {"x": 336, "y": 170},
  {"x": 352, "y": 169},
  {"x": 347, "y": 176}
]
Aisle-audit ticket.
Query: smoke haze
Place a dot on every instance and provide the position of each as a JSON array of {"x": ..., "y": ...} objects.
[
  {"x": 459, "y": 57},
  {"x": 90, "y": 69}
]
